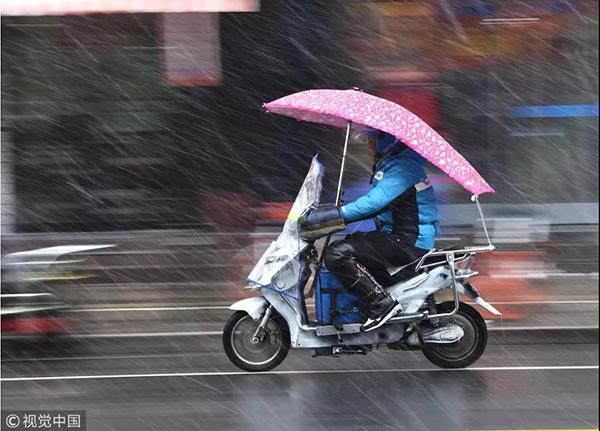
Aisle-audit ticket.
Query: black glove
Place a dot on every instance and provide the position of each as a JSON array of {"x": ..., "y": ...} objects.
[{"x": 320, "y": 221}]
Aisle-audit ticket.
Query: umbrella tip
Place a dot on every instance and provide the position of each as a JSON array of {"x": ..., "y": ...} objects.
[{"x": 357, "y": 89}]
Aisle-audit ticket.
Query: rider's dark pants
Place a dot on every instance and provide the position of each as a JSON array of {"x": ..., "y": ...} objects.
[{"x": 377, "y": 251}]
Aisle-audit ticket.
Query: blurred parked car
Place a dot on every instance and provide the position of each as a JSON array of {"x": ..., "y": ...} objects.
[{"x": 29, "y": 305}]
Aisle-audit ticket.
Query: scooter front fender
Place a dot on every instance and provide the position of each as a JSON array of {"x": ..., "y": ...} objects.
[{"x": 255, "y": 306}]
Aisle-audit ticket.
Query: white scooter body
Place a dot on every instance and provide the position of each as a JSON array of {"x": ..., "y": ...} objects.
[{"x": 411, "y": 294}]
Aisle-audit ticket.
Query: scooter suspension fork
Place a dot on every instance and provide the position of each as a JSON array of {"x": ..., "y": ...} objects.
[{"x": 259, "y": 334}]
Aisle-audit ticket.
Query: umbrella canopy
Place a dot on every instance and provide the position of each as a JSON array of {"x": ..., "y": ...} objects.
[{"x": 338, "y": 107}]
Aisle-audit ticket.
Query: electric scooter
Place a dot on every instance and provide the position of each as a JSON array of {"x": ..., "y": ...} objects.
[{"x": 262, "y": 329}]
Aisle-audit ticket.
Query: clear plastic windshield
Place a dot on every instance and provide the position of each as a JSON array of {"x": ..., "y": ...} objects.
[{"x": 279, "y": 266}]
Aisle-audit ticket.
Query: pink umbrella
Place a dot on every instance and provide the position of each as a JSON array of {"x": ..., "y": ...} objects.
[{"x": 339, "y": 108}]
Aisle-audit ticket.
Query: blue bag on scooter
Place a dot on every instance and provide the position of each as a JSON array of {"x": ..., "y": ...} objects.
[{"x": 333, "y": 303}]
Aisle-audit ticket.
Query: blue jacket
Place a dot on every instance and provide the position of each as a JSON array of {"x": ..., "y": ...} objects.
[{"x": 401, "y": 199}]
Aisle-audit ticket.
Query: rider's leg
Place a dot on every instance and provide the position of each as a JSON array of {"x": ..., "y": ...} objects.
[
  {"x": 341, "y": 260},
  {"x": 361, "y": 260}
]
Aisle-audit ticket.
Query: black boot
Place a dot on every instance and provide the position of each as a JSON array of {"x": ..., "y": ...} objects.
[
  {"x": 378, "y": 304},
  {"x": 381, "y": 304}
]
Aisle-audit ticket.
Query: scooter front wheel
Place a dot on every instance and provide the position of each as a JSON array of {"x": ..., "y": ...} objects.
[{"x": 255, "y": 354}]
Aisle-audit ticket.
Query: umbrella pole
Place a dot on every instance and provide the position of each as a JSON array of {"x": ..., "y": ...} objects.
[{"x": 338, "y": 196}]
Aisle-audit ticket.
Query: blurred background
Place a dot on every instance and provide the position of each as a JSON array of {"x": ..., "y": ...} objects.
[
  {"x": 141, "y": 179},
  {"x": 144, "y": 131}
]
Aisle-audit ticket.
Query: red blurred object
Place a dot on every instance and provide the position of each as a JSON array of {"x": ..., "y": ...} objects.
[
  {"x": 500, "y": 282},
  {"x": 276, "y": 212},
  {"x": 420, "y": 101},
  {"x": 35, "y": 325}
]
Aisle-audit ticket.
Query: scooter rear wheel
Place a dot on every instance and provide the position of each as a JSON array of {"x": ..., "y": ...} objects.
[
  {"x": 469, "y": 348},
  {"x": 246, "y": 353}
]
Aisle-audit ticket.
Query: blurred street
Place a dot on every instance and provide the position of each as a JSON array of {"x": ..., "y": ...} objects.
[{"x": 180, "y": 282}]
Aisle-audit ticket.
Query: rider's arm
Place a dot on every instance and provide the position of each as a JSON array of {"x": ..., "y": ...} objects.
[{"x": 395, "y": 181}]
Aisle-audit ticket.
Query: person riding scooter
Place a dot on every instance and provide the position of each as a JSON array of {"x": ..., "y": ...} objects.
[{"x": 404, "y": 207}]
